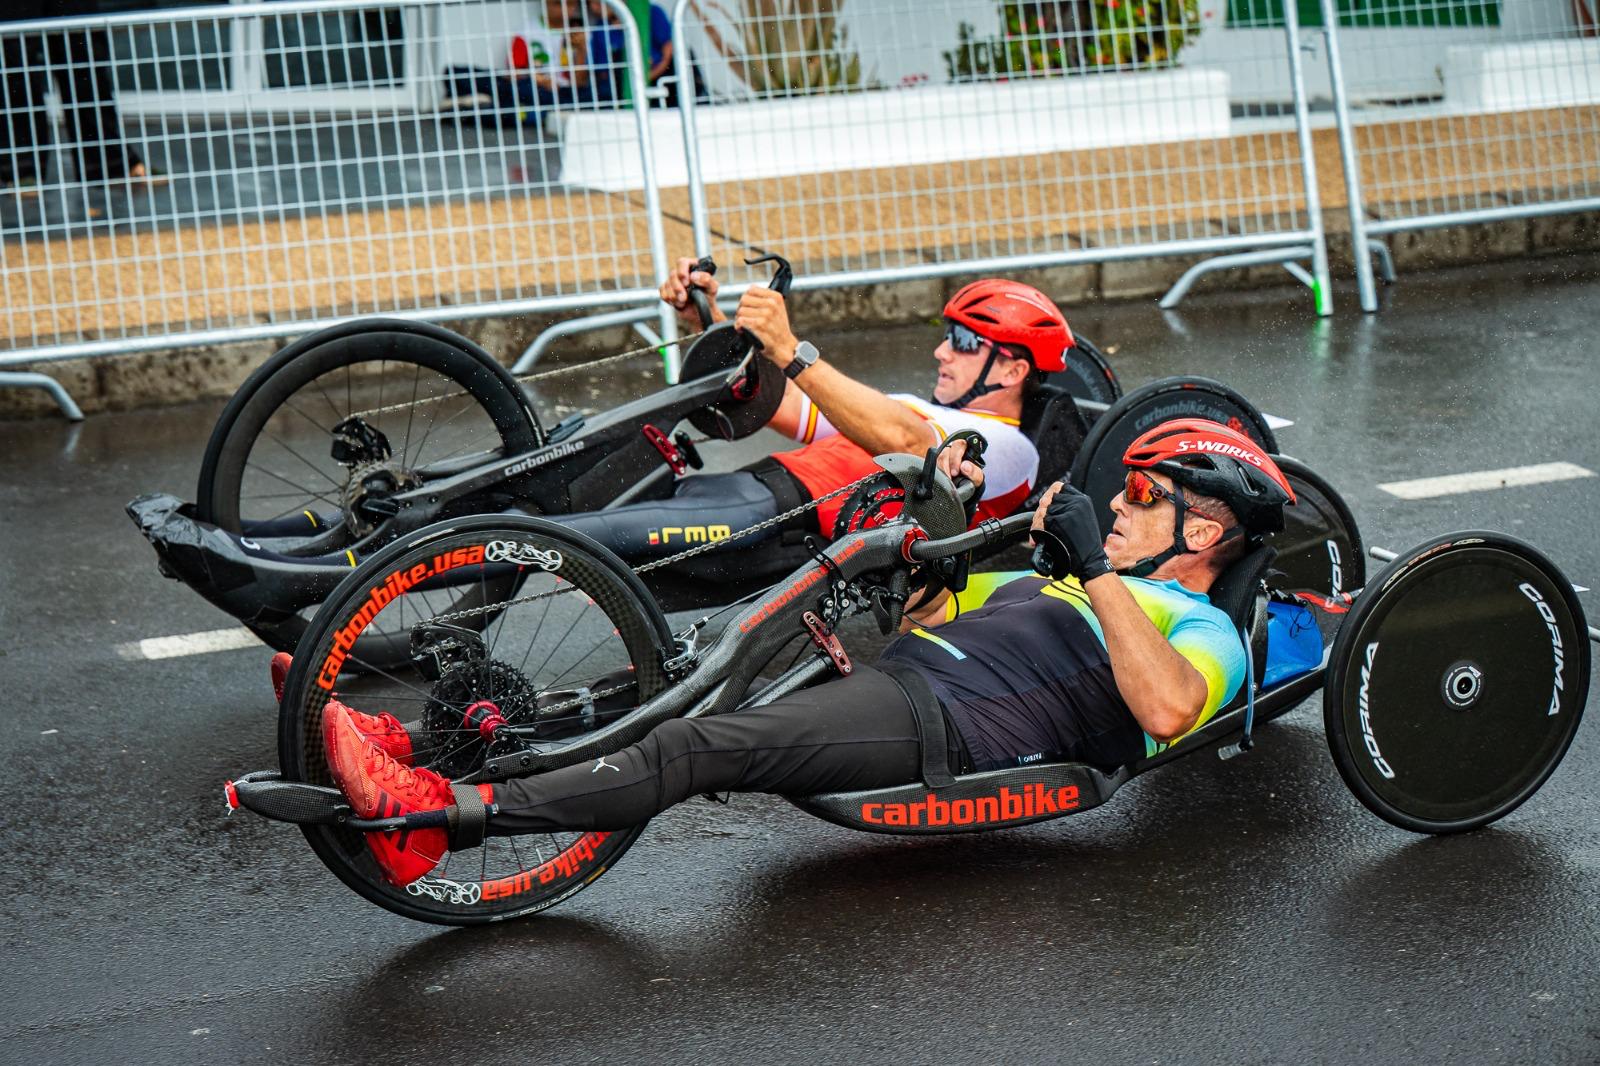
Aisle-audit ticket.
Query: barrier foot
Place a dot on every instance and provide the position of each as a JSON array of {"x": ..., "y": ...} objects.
[
  {"x": 1286, "y": 256},
  {"x": 1380, "y": 252},
  {"x": 22, "y": 380}
]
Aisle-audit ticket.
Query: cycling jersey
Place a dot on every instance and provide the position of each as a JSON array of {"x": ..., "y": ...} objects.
[
  {"x": 1024, "y": 674},
  {"x": 830, "y": 460}
]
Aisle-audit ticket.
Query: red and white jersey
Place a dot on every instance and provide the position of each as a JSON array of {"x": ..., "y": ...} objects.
[{"x": 830, "y": 461}]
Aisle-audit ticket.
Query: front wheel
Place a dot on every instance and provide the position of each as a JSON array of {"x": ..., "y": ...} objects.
[
  {"x": 578, "y": 645},
  {"x": 1456, "y": 683}
]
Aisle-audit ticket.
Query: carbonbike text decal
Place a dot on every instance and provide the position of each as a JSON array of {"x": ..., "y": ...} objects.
[
  {"x": 380, "y": 596},
  {"x": 510, "y": 551},
  {"x": 1556, "y": 647},
  {"x": 1335, "y": 568},
  {"x": 549, "y": 455},
  {"x": 1366, "y": 719},
  {"x": 787, "y": 596},
  {"x": 1032, "y": 801},
  {"x": 1190, "y": 406},
  {"x": 569, "y": 864},
  {"x": 690, "y": 534}
]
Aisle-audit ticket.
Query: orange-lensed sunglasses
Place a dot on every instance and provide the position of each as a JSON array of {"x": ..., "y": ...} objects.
[{"x": 1142, "y": 490}]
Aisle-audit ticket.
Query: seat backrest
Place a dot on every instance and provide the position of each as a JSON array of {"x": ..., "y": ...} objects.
[
  {"x": 1235, "y": 591},
  {"x": 1051, "y": 419},
  {"x": 1241, "y": 594}
]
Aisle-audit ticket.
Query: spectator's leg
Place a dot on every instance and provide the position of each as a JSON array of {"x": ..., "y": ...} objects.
[
  {"x": 25, "y": 129},
  {"x": 80, "y": 60}
]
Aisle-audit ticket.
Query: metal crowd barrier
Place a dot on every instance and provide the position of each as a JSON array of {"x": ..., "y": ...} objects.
[
  {"x": 1498, "y": 117},
  {"x": 306, "y": 162},
  {"x": 313, "y": 161},
  {"x": 922, "y": 138}
]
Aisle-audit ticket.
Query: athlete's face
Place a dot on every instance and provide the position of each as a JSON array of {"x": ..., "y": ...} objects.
[
  {"x": 1140, "y": 532},
  {"x": 958, "y": 371}
]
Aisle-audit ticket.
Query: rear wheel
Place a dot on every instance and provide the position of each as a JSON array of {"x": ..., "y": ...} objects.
[
  {"x": 1319, "y": 549},
  {"x": 579, "y": 645},
  {"x": 327, "y": 428},
  {"x": 1088, "y": 374},
  {"x": 1456, "y": 682}
]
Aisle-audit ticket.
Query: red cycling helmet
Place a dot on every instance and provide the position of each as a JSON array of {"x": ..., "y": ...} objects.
[
  {"x": 1016, "y": 315},
  {"x": 1011, "y": 316},
  {"x": 1214, "y": 460}
]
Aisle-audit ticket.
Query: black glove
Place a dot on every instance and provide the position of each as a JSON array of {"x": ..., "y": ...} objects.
[{"x": 1070, "y": 542}]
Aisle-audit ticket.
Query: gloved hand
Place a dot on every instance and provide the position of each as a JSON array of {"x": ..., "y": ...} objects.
[{"x": 1069, "y": 541}]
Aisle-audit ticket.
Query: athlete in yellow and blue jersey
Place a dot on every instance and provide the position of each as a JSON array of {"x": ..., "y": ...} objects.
[
  {"x": 1115, "y": 654},
  {"x": 1022, "y": 669}
]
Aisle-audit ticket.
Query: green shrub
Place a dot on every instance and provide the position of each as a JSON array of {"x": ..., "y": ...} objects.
[{"x": 1045, "y": 38}]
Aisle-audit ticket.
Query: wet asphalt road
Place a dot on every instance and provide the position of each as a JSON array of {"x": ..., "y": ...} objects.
[{"x": 1241, "y": 911}]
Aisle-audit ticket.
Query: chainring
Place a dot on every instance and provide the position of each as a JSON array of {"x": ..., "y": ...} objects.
[{"x": 864, "y": 508}]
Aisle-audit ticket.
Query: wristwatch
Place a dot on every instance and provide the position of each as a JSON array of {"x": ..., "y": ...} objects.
[{"x": 805, "y": 353}]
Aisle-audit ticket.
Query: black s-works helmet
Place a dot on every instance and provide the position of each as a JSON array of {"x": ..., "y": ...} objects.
[{"x": 1213, "y": 460}]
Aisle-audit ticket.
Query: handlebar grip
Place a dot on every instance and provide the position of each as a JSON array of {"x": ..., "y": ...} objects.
[
  {"x": 697, "y": 295},
  {"x": 1051, "y": 556},
  {"x": 899, "y": 590}
]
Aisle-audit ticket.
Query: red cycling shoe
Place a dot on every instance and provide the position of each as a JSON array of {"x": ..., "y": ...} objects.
[
  {"x": 378, "y": 786},
  {"x": 383, "y": 729}
]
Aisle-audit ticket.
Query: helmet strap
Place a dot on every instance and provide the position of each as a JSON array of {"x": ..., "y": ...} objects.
[
  {"x": 1151, "y": 563},
  {"x": 979, "y": 387}
]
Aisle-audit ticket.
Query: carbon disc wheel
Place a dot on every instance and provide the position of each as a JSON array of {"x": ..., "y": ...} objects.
[
  {"x": 580, "y": 644},
  {"x": 1319, "y": 549},
  {"x": 1088, "y": 374},
  {"x": 1456, "y": 683}
]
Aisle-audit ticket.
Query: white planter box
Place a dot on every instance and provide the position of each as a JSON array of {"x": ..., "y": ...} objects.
[
  {"x": 851, "y": 131},
  {"x": 1519, "y": 77}
]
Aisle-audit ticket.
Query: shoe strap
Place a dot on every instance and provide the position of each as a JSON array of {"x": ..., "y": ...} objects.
[{"x": 467, "y": 821}]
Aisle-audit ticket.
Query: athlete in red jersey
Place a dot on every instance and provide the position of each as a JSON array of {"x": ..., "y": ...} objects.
[{"x": 999, "y": 335}]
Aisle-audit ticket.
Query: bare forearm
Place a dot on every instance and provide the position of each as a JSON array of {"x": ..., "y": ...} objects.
[
  {"x": 865, "y": 415},
  {"x": 1163, "y": 691}
]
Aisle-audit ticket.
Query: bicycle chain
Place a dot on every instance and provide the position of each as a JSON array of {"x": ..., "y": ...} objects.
[
  {"x": 794, "y": 512},
  {"x": 534, "y": 377}
]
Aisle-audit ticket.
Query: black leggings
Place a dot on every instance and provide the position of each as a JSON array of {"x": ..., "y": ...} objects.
[
  {"x": 702, "y": 508},
  {"x": 858, "y": 732}
]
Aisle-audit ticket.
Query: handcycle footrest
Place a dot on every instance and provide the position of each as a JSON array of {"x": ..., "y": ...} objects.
[{"x": 266, "y": 793}]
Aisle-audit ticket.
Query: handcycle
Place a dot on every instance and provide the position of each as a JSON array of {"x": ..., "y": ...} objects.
[
  {"x": 370, "y": 430},
  {"x": 1453, "y": 683}
]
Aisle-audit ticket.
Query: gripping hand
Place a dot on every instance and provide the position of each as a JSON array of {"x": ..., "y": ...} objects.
[{"x": 1069, "y": 542}]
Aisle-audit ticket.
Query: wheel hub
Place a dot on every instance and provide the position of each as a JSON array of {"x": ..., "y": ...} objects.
[
  {"x": 1462, "y": 685},
  {"x": 367, "y": 495}
]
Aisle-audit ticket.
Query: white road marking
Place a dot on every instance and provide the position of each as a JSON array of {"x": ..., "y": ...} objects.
[
  {"x": 1275, "y": 423},
  {"x": 189, "y": 644},
  {"x": 1426, "y": 487}
]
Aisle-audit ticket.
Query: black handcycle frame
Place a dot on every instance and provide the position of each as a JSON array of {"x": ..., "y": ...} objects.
[{"x": 717, "y": 680}]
